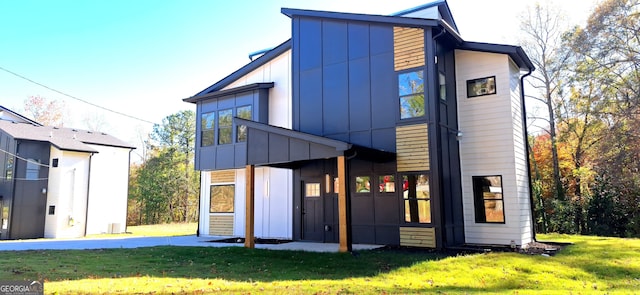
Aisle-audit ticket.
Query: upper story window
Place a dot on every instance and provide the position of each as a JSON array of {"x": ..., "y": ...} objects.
[
  {"x": 243, "y": 113},
  {"x": 207, "y": 129},
  {"x": 411, "y": 93},
  {"x": 225, "y": 122},
  {"x": 33, "y": 169}
]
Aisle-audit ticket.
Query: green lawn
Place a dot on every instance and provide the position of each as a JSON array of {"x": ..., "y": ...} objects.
[
  {"x": 593, "y": 265},
  {"x": 156, "y": 230}
]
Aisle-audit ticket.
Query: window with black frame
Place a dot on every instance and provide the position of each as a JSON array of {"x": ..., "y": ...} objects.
[
  {"x": 488, "y": 199},
  {"x": 243, "y": 112},
  {"x": 207, "y": 129},
  {"x": 411, "y": 93},
  {"x": 225, "y": 122},
  {"x": 417, "y": 200},
  {"x": 222, "y": 198}
]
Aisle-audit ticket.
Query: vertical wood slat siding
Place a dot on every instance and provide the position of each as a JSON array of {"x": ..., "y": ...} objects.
[
  {"x": 408, "y": 48},
  {"x": 220, "y": 176},
  {"x": 220, "y": 225},
  {"x": 418, "y": 237},
  {"x": 412, "y": 148}
]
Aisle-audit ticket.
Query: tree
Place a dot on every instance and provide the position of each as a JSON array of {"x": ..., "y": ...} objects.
[
  {"x": 177, "y": 135},
  {"x": 606, "y": 111},
  {"x": 165, "y": 188},
  {"x": 45, "y": 112},
  {"x": 543, "y": 28}
]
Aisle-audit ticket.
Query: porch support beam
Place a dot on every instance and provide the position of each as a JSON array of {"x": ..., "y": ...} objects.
[
  {"x": 343, "y": 206},
  {"x": 249, "y": 207}
]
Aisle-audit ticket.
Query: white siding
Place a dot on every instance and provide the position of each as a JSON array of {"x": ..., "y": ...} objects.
[
  {"x": 273, "y": 187},
  {"x": 67, "y": 191},
  {"x": 492, "y": 144},
  {"x": 273, "y": 203},
  {"x": 278, "y": 70},
  {"x": 205, "y": 183},
  {"x": 108, "y": 190}
]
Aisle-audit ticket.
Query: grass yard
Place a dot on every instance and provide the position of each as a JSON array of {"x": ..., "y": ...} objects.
[
  {"x": 593, "y": 265},
  {"x": 157, "y": 230}
]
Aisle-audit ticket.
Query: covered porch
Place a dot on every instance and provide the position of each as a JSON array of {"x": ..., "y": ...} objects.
[{"x": 284, "y": 148}]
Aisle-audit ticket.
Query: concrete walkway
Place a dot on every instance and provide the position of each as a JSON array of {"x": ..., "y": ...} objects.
[{"x": 137, "y": 242}]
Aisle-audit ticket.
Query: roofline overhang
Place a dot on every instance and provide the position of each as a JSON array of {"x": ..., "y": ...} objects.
[
  {"x": 228, "y": 92},
  {"x": 443, "y": 9},
  {"x": 516, "y": 53},
  {"x": 396, "y": 20},
  {"x": 110, "y": 145},
  {"x": 338, "y": 145},
  {"x": 258, "y": 62}
]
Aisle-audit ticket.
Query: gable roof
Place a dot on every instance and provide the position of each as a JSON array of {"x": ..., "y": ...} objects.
[
  {"x": 14, "y": 115},
  {"x": 62, "y": 138}
]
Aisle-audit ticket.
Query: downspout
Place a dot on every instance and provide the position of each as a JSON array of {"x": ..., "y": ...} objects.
[
  {"x": 86, "y": 213},
  {"x": 526, "y": 140}
]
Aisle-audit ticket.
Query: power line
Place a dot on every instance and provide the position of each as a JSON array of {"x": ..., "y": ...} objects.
[
  {"x": 76, "y": 98},
  {"x": 24, "y": 159}
]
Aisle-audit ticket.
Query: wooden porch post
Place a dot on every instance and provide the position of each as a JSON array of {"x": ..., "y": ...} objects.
[
  {"x": 343, "y": 208},
  {"x": 249, "y": 207}
]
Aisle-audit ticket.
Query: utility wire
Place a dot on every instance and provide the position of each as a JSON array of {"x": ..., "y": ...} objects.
[
  {"x": 24, "y": 159},
  {"x": 76, "y": 98}
]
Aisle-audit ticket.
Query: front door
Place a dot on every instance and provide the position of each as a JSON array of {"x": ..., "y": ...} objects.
[{"x": 312, "y": 217}]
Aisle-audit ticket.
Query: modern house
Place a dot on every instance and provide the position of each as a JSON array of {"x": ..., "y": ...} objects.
[
  {"x": 60, "y": 182},
  {"x": 369, "y": 129}
]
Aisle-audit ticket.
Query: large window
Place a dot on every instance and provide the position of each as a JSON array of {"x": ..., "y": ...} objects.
[
  {"x": 417, "y": 200},
  {"x": 207, "y": 133},
  {"x": 222, "y": 197},
  {"x": 243, "y": 113},
  {"x": 411, "y": 93},
  {"x": 488, "y": 200},
  {"x": 225, "y": 122}
]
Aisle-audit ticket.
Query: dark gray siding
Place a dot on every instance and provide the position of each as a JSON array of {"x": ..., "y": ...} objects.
[
  {"x": 233, "y": 155},
  {"x": 343, "y": 75},
  {"x": 8, "y": 145},
  {"x": 29, "y": 203}
]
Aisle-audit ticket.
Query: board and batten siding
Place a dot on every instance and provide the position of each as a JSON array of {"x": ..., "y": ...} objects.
[
  {"x": 493, "y": 144},
  {"x": 273, "y": 203},
  {"x": 108, "y": 190},
  {"x": 277, "y": 71},
  {"x": 67, "y": 191}
]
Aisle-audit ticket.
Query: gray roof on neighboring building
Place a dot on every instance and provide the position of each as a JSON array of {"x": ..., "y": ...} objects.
[
  {"x": 63, "y": 138},
  {"x": 23, "y": 118}
]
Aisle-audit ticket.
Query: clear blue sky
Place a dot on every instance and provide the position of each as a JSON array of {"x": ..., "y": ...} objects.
[{"x": 141, "y": 57}]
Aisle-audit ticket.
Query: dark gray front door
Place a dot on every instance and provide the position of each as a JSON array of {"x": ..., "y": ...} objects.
[{"x": 312, "y": 218}]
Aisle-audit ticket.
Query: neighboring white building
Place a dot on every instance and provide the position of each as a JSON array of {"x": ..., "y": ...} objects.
[
  {"x": 369, "y": 129},
  {"x": 61, "y": 182}
]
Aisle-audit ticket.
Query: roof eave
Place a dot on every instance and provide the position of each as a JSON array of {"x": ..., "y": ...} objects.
[
  {"x": 516, "y": 53},
  {"x": 228, "y": 92},
  {"x": 396, "y": 20}
]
